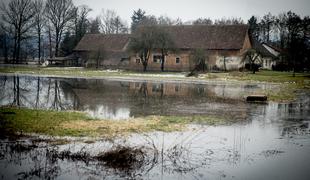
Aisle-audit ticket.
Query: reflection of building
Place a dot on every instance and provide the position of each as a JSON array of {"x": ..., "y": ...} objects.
[{"x": 163, "y": 89}]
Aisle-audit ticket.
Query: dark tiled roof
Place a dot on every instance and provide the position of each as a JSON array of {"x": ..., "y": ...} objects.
[
  {"x": 215, "y": 37},
  {"x": 109, "y": 42}
]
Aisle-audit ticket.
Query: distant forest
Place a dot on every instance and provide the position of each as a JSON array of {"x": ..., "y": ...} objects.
[{"x": 38, "y": 29}]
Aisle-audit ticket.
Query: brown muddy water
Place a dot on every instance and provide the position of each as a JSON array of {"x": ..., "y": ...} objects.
[{"x": 268, "y": 141}]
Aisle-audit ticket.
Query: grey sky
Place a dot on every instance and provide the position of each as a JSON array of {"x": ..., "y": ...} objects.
[{"x": 193, "y": 9}]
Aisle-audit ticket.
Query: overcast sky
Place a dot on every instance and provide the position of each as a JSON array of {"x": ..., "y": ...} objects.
[{"x": 193, "y": 9}]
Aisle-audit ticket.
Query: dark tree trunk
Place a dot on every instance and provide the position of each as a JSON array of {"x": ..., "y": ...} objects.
[
  {"x": 39, "y": 47},
  {"x": 15, "y": 49},
  {"x": 16, "y": 101},
  {"x": 144, "y": 67},
  {"x": 5, "y": 44},
  {"x": 38, "y": 92},
  {"x": 50, "y": 42},
  {"x": 57, "y": 43},
  {"x": 162, "y": 60},
  {"x": 18, "y": 50}
]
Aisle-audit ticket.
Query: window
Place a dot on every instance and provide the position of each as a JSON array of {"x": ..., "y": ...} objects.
[
  {"x": 138, "y": 61},
  {"x": 177, "y": 60},
  {"x": 157, "y": 58}
]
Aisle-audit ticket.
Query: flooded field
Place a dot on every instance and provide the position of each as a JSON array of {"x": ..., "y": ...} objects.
[
  {"x": 268, "y": 141},
  {"x": 120, "y": 99}
]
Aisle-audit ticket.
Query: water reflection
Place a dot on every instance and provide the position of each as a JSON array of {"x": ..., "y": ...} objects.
[{"x": 120, "y": 100}]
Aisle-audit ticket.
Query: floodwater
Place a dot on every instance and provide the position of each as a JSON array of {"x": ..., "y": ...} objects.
[{"x": 268, "y": 141}]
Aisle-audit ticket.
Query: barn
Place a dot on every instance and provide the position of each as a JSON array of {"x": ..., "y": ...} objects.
[{"x": 224, "y": 46}]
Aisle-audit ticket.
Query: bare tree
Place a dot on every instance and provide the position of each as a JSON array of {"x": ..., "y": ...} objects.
[
  {"x": 165, "y": 20},
  {"x": 228, "y": 21},
  {"x": 280, "y": 23},
  {"x": 94, "y": 26},
  {"x": 107, "y": 18},
  {"x": 199, "y": 58},
  {"x": 111, "y": 23},
  {"x": 39, "y": 23},
  {"x": 165, "y": 43},
  {"x": 143, "y": 43},
  {"x": 49, "y": 33},
  {"x": 266, "y": 25},
  {"x": 59, "y": 13},
  {"x": 252, "y": 56},
  {"x": 18, "y": 14},
  {"x": 81, "y": 22},
  {"x": 203, "y": 21},
  {"x": 119, "y": 26}
]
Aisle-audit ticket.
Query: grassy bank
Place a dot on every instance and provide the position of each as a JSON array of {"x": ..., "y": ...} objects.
[
  {"x": 55, "y": 123},
  {"x": 261, "y": 76}
]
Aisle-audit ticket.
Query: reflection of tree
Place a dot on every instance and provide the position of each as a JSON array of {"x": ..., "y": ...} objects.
[
  {"x": 16, "y": 100},
  {"x": 143, "y": 90},
  {"x": 38, "y": 92},
  {"x": 57, "y": 100}
]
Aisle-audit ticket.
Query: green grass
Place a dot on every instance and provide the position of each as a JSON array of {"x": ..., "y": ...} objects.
[{"x": 55, "y": 123}]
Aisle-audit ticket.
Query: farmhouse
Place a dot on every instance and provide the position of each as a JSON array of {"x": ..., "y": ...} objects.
[
  {"x": 268, "y": 55},
  {"x": 224, "y": 46}
]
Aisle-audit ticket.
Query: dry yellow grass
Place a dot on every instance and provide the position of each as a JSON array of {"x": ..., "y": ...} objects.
[{"x": 111, "y": 128}]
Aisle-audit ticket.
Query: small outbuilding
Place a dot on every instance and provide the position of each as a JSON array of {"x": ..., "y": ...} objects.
[{"x": 103, "y": 50}]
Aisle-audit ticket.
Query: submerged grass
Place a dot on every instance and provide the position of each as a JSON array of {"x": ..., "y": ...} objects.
[{"x": 55, "y": 123}]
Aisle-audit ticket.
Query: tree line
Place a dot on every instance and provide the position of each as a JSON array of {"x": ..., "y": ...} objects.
[
  {"x": 55, "y": 26},
  {"x": 289, "y": 33}
]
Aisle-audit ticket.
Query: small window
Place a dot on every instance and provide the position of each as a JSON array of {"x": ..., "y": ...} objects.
[
  {"x": 156, "y": 58},
  {"x": 138, "y": 61},
  {"x": 177, "y": 60}
]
